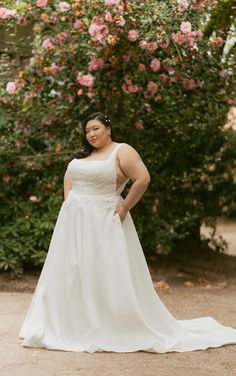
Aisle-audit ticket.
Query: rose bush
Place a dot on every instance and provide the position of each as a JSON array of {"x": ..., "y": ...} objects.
[{"x": 166, "y": 89}]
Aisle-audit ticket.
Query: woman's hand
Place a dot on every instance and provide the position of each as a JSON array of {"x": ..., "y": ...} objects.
[{"x": 122, "y": 212}]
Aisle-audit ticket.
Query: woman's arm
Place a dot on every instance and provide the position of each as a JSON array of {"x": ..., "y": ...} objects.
[
  {"x": 133, "y": 166},
  {"x": 67, "y": 185}
]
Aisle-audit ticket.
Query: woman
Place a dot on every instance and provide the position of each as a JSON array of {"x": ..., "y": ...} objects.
[
  {"x": 129, "y": 165},
  {"x": 95, "y": 292}
]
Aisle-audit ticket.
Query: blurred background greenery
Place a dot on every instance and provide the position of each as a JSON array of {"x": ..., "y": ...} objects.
[{"x": 182, "y": 124}]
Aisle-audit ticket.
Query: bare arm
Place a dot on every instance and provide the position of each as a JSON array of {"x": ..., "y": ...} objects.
[
  {"x": 67, "y": 185},
  {"x": 133, "y": 166}
]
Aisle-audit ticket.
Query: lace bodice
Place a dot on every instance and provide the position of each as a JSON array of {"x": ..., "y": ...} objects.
[{"x": 95, "y": 177}]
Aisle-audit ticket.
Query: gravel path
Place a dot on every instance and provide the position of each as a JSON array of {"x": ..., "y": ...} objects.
[{"x": 183, "y": 302}]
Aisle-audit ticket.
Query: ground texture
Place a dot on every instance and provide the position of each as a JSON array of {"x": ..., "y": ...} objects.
[{"x": 191, "y": 284}]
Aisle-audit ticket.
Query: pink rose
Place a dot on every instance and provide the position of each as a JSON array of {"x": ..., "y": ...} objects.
[
  {"x": 111, "y": 2},
  {"x": 128, "y": 87},
  {"x": 98, "y": 30},
  {"x": 6, "y": 179},
  {"x": 95, "y": 64},
  {"x": 183, "y": 6},
  {"x": 190, "y": 84},
  {"x": 54, "y": 68},
  {"x": 155, "y": 65},
  {"x": 165, "y": 44},
  {"x": 199, "y": 5},
  {"x": 78, "y": 24},
  {"x": 64, "y": 6},
  {"x": 217, "y": 41},
  {"x": 121, "y": 21},
  {"x": 47, "y": 44},
  {"x": 230, "y": 101},
  {"x": 11, "y": 87},
  {"x": 7, "y": 13},
  {"x": 35, "y": 199},
  {"x": 133, "y": 35},
  {"x": 108, "y": 17},
  {"x": 86, "y": 80},
  {"x": 80, "y": 92},
  {"x": 141, "y": 67},
  {"x": 139, "y": 124},
  {"x": 44, "y": 17},
  {"x": 42, "y": 3},
  {"x": 23, "y": 21},
  {"x": 143, "y": 44},
  {"x": 181, "y": 38},
  {"x": 70, "y": 98},
  {"x": 152, "y": 87},
  {"x": 185, "y": 27},
  {"x": 152, "y": 46},
  {"x": 133, "y": 88}
]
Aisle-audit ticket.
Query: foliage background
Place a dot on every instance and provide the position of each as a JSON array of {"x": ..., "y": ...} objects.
[{"x": 172, "y": 109}]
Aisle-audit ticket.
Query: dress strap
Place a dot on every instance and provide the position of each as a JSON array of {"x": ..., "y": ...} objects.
[{"x": 114, "y": 151}]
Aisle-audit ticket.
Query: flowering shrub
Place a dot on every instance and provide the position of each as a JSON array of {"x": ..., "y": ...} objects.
[{"x": 165, "y": 87}]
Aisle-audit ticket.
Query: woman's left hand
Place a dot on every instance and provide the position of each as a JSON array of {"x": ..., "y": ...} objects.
[{"x": 122, "y": 212}]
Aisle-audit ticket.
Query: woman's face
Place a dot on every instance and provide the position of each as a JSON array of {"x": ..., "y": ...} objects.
[{"x": 96, "y": 133}]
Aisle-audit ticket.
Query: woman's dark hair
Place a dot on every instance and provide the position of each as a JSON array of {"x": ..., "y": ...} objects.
[{"x": 85, "y": 149}]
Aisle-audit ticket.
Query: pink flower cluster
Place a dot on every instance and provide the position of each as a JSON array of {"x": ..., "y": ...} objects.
[
  {"x": 149, "y": 46},
  {"x": 95, "y": 64},
  {"x": 47, "y": 44},
  {"x": 98, "y": 30},
  {"x": 191, "y": 84},
  {"x": 85, "y": 80},
  {"x": 112, "y": 2},
  {"x": 142, "y": 67},
  {"x": 129, "y": 88},
  {"x": 53, "y": 69},
  {"x": 64, "y": 6},
  {"x": 11, "y": 87},
  {"x": 133, "y": 35},
  {"x": 42, "y": 3},
  {"x": 186, "y": 34},
  {"x": 108, "y": 16},
  {"x": 152, "y": 88},
  {"x": 139, "y": 124},
  {"x": 186, "y": 27},
  {"x": 35, "y": 198},
  {"x": 199, "y": 5},
  {"x": 6, "y": 179},
  {"x": 155, "y": 65},
  {"x": 6, "y": 14},
  {"x": 217, "y": 41},
  {"x": 78, "y": 24},
  {"x": 44, "y": 17},
  {"x": 182, "y": 6}
]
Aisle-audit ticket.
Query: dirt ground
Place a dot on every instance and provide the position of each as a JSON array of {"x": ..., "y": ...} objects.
[{"x": 190, "y": 285}]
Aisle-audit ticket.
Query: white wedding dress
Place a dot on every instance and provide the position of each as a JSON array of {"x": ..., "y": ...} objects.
[{"x": 95, "y": 292}]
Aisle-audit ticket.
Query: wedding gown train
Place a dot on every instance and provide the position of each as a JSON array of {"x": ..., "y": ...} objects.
[{"x": 95, "y": 292}]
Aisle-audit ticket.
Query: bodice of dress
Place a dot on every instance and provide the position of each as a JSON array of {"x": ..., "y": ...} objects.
[{"x": 95, "y": 177}]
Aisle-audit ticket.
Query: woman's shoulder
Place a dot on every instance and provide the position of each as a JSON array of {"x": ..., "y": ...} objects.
[
  {"x": 126, "y": 146},
  {"x": 128, "y": 150}
]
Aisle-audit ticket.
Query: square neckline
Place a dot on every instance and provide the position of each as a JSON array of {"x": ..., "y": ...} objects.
[{"x": 98, "y": 160}]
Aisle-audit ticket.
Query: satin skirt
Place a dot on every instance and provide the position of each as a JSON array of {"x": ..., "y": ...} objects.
[{"x": 95, "y": 291}]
